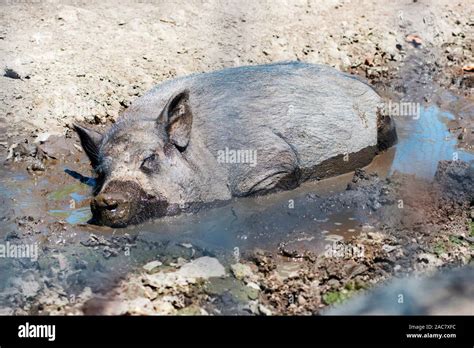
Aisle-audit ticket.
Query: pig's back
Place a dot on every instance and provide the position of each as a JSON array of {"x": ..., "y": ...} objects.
[{"x": 319, "y": 112}]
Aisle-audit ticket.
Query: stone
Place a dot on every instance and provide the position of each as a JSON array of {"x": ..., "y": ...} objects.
[
  {"x": 388, "y": 248},
  {"x": 430, "y": 259},
  {"x": 140, "y": 306},
  {"x": 42, "y": 137},
  {"x": 241, "y": 271},
  {"x": 204, "y": 267},
  {"x": 163, "y": 307},
  {"x": 288, "y": 270},
  {"x": 252, "y": 292},
  {"x": 264, "y": 310},
  {"x": 151, "y": 266}
]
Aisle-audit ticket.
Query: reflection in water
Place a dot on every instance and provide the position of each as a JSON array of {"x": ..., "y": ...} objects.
[
  {"x": 425, "y": 142},
  {"x": 73, "y": 216},
  {"x": 246, "y": 225}
]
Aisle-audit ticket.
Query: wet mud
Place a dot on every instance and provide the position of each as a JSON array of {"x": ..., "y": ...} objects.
[{"x": 336, "y": 236}]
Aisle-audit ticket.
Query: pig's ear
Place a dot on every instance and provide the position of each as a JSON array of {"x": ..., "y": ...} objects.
[
  {"x": 177, "y": 119},
  {"x": 90, "y": 141}
]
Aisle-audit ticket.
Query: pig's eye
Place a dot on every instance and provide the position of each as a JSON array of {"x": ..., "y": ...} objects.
[{"x": 150, "y": 164}]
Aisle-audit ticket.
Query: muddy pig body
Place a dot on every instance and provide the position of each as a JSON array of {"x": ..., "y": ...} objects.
[{"x": 240, "y": 131}]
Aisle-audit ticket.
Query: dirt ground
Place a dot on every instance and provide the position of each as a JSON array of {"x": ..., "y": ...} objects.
[{"x": 85, "y": 61}]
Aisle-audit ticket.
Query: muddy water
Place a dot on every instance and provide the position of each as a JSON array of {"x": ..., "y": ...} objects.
[
  {"x": 425, "y": 141},
  {"x": 53, "y": 209}
]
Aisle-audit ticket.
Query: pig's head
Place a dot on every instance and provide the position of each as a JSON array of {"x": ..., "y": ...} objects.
[{"x": 141, "y": 165}]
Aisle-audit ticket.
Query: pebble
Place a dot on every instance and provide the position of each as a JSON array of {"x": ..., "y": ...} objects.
[
  {"x": 151, "y": 266},
  {"x": 241, "y": 271},
  {"x": 264, "y": 310}
]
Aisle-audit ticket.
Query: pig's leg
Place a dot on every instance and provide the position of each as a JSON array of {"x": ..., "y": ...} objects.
[{"x": 276, "y": 168}]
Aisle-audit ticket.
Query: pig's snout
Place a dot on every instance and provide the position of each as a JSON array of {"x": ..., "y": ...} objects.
[
  {"x": 119, "y": 203},
  {"x": 112, "y": 209},
  {"x": 110, "y": 201}
]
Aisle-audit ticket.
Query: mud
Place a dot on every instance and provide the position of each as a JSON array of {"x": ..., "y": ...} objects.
[
  {"x": 283, "y": 238},
  {"x": 299, "y": 252}
]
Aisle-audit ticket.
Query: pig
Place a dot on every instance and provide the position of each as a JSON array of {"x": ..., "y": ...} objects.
[{"x": 202, "y": 139}]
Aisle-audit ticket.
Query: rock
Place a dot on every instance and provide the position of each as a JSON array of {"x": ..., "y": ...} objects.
[
  {"x": 62, "y": 261},
  {"x": 252, "y": 291},
  {"x": 140, "y": 306},
  {"x": 29, "y": 287},
  {"x": 428, "y": 258},
  {"x": 241, "y": 271},
  {"x": 134, "y": 288},
  {"x": 23, "y": 150},
  {"x": 109, "y": 252},
  {"x": 192, "y": 310},
  {"x": 264, "y": 310},
  {"x": 204, "y": 267},
  {"x": 288, "y": 270},
  {"x": 12, "y": 74},
  {"x": 180, "y": 261},
  {"x": 428, "y": 261},
  {"x": 55, "y": 146},
  {"x": 253, "y": 307},
  {"x": 389, "y": 248},
  {"x": 456, "y": 178},
  {"x": 253, "y": 285},
  {"x": 163, "y": 307},
  {"x": 36, "y": 166},
  {"x": 352, "y": 270},
  {"x": 6, "y": 311},
  {"x": 375, "y": 236},
  {"x": 42, "y": 137},
  {"x": 333, "y": 283},
  {"x": 369, "y": 61},
  {"x": 102, "y": 306},
  {"x": 301, "y": 300},
  {"x": 94, "y": 241},
  {"x": 162, "y": 280},
  {"x": 218, "y": 286},
  {"x": 230, "y": 288},
  {"x": 151, "y": 266}
]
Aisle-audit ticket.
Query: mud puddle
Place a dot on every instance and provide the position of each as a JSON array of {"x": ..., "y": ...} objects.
[
  {"x": 51, "y": 210},
  {"x": 425, "y": 141}
]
